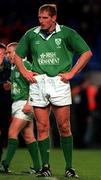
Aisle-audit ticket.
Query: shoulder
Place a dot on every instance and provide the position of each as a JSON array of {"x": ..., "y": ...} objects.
[
  {"x": 67, "y": 29},
  {"x": 31, "y": 31},
  {"x": 69, "y": 33}
]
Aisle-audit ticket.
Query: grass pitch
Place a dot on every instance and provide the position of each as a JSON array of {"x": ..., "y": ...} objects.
[{"x": 86, "y": 162}]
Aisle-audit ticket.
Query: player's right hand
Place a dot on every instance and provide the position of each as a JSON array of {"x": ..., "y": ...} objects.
[{"x": 30, "y": 76}]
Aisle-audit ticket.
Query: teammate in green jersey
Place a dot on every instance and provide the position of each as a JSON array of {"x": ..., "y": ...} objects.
[
  {"x": 22, "y": 115},
  {"x": 52, "y": 47}
]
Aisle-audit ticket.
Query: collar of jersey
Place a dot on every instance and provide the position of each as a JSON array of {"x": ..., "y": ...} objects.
[
  {"x": 13, "y": 66},
  {"x": 37, "y": 31}
]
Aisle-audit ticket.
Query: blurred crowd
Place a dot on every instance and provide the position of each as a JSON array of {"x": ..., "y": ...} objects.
[{"x": 86, "y": 114}]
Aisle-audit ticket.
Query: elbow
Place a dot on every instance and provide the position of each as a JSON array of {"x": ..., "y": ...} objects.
[{"x": 90, "y": 54}]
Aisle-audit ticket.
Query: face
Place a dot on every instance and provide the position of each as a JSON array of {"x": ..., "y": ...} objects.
[
  {"x": 46, "y": 21},
  {"x": 2, "y": 55},
  {"x": 11, "y": 54}
]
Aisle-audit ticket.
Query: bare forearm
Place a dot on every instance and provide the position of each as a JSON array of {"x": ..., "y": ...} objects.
[
  {"x": 20, "y": 65},
  {"x": 81, "y": 63}
]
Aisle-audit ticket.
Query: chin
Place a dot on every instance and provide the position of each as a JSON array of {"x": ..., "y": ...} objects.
[{"x": 43, "y": 28}]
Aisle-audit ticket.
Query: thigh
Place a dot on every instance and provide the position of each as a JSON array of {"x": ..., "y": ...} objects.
[
  {"x": 42, "y": 122},
  {"x": 28, "y": 132},
  {"x": 62, "y": 115},
  {"x": 42, "y": 115},
  {"x": 16, "y": 126},
  {"x": 28, "y": 129}
]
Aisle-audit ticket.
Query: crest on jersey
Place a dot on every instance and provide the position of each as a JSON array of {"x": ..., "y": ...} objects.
[{"x": 58, "y": 41}]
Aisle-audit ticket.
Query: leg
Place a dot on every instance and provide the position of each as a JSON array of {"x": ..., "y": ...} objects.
[
  {"x": 28, "y": 134},
  {"x": 16, "y": 126},
  {"x": 62, "y": 115},
  {"x": 42, "y": 119}
]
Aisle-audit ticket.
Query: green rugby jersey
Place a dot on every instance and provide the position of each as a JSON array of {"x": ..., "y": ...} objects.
[
  {"x": 20, "y": 86},
  {"x": 53, "y": 54}
]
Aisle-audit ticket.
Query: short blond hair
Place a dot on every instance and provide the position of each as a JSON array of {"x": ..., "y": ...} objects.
[
  {"x": 50, "y": 8},
  {"x": 14, "y": 44}
]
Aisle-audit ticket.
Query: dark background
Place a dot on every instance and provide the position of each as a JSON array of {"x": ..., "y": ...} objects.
[{"x": 17, "y": 16}]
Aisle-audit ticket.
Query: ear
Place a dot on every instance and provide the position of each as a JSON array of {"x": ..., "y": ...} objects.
[{"x": 54, "y": 18}]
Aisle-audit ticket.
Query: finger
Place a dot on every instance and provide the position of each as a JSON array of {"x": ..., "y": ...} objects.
[
  {"x": 34, "y": 73},
  {"x": 33, "y": 80},
  {"x": 60, "y": 74}
]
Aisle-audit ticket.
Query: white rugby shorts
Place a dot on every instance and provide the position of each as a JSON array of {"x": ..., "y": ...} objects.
[
  {"x": 49, "y": 90},
  {"x": 17, "y": 112}
]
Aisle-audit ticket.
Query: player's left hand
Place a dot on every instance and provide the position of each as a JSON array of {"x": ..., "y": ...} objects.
[{"x": 66, "y": 76}]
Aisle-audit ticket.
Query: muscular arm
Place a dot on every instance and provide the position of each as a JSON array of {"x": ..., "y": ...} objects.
[
  {"x": 20, "y": 65},
  {"x": 82, "y": 61},
  {"x": 80, "y": 64}
]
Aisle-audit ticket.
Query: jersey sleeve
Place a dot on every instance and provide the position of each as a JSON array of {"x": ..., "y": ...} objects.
[
  {"x": 22, "y": 47},
  {"x": 77, "y": 43},
  {"x": 27, "y": 64}
]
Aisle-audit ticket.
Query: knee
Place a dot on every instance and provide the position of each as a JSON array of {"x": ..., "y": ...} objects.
[
  {"x": 28, "y": 137},
  {"x": 43, "y": 131},
  {"x": 64, "y": 129},
  {"x": 12, "y": 133},
  {"x": 42, "y": 128}
]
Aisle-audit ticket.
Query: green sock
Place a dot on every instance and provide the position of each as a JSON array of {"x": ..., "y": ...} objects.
[
  {"x": 33, "y": 150},
  {"x": 67, "y": 146},
  {"x": 44, "y": 147},
  {"x": 12, "y": 146}
]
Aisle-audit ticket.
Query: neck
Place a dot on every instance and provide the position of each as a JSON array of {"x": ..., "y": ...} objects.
[{"x": 51, "y": 29}]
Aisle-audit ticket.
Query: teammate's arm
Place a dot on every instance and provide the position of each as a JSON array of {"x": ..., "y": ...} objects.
[{"x": 29, "y": 75}]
